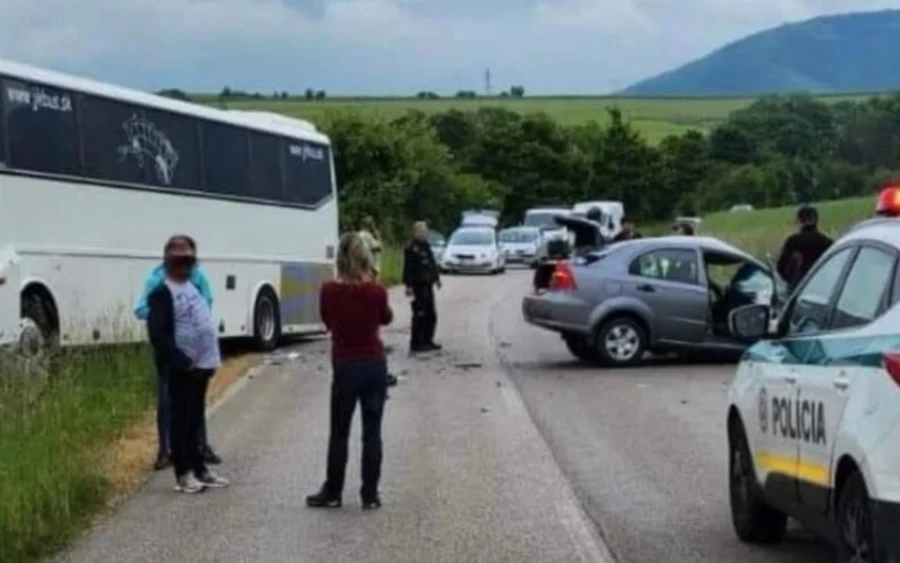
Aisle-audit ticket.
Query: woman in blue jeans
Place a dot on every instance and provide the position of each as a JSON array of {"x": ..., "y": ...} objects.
[
  {"x": 354, "y": 307},
  {"x": 156, "y": 278}
]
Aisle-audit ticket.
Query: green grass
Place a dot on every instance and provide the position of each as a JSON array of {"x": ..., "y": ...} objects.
[
  {"x": 51, "y": 481},
  {"x": 763, "y": 231},
  {"x": 392, "y": 265},
  {"x": 653, "y": 117}
]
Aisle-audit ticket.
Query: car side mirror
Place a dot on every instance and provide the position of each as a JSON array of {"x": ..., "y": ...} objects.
[{"x": 750, "y": 322}]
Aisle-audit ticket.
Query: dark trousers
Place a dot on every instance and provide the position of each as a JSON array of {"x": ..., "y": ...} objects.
[
  {"x": 424, "y": 316},
  {"x": 187, "y": 393},
  {"x": 364, "y": 382},
  {"x": 164, "y": 417}
]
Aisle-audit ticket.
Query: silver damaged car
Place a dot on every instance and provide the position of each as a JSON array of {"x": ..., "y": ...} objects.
[{"x": 659, "y": 295}]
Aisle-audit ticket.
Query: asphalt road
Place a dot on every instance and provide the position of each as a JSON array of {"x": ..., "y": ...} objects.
[
  {"x": 644, "y": 448},
  {"x": 499, "y": 449},
  {"x": 466, "y": 478}
]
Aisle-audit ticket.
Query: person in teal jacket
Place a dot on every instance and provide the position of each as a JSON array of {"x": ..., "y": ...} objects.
[{"x": 163, "y": 412}]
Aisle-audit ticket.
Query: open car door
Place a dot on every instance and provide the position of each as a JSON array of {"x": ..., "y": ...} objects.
[
  {"x": 587, "y": 235},
  {"x": 781, "y": 286},
  {"x": 10, "y": 283}
]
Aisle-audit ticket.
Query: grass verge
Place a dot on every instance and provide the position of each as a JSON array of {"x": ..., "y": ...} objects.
[
  {"x": 763, "y": 231},
  {"x": 71, "y": 444}
]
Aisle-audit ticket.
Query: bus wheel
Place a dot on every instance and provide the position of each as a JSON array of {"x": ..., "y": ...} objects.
[
  {"x": 36, "y": 335},
  {"x": 266, "y": 321}
]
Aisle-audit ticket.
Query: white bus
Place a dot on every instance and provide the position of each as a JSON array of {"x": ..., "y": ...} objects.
[{"x": 94, "y": 178}]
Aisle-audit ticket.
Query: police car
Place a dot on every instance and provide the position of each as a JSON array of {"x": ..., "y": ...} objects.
[{"x": 814, "y": 410}]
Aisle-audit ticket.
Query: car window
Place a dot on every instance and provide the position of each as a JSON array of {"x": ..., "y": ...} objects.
[
  {"x": 861, "y": 297},
  {"x": 810, "y": 307},
  {"x": 518, "y": 235},
  {"x": 473, "y": 237},
  {"x": 678, "y": 265}
]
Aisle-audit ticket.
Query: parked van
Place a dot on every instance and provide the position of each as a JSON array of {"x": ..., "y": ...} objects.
[{"x": 543, "y": 218}]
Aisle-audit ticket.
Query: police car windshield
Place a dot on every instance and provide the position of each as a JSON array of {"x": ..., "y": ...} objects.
[
  {"x": 473, "y": 238},
  {"x": 543, "y": 219},
  {"x": 518, "y": 235}
]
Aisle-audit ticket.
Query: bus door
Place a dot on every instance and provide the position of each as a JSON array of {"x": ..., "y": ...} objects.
[{"x": 10, "y": 282}]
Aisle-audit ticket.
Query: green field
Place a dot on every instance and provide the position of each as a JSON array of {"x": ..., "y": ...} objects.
[
  {"x": 762, "y": 232},
  {"x": 654, "y": 117}
]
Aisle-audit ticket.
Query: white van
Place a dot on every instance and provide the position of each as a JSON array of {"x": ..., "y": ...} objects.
[
  {"x": 543, "y": 218},
  {"x": 613, "y": 213}
]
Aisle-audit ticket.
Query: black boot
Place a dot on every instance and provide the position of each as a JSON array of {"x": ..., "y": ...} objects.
[{"x": 323, "y": 499}]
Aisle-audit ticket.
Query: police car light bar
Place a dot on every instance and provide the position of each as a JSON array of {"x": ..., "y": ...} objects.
[
  {"x": 891, "y": 362},
  {"x": 889, "y": 201}
]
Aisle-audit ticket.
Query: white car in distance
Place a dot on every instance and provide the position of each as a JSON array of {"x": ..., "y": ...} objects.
[
  {"x": 474, "y": 250},
  {"x": 520, "y": 244}
]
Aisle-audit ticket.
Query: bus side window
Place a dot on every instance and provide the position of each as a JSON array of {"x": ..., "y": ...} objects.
[
  {"x": 307, "y": 172},
  {"x": 41, "y": 128},
  {"x": 226, "y": 159}
]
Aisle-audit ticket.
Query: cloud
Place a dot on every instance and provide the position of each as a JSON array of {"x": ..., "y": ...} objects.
[{"x": 385, "y": 46}]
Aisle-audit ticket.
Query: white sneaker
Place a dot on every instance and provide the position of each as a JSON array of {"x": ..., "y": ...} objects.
[
  {"x": 210, "y": 479},
  {"x": 189, "y": 484}
]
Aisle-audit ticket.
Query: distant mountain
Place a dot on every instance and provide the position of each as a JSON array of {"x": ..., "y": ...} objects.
[{"x": 857, "y": 52}]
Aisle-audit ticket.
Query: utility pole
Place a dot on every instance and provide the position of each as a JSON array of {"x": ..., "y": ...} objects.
[{"x": 487, "y": 81}]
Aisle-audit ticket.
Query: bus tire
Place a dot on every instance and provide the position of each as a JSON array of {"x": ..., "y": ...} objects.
[
  {"x": 266, "y": 320},
  {"x": 39, "y": 335}
]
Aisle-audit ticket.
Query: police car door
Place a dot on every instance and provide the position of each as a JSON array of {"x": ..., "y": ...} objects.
[
  {"x": 826, "y": 381},
  {"x": 10, "y": 281},
  {"x": 798, "y": 418}
]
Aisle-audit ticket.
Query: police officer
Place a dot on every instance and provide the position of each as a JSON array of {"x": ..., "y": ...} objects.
[
  {"x": 420, "y": 276},
  {"x": 803, "y": 248}
]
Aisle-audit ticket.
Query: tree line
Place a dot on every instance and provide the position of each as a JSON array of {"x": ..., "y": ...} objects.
[{"x": 779, "y": 150}]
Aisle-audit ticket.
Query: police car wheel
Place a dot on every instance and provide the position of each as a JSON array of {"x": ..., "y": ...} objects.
[
  {"x": 621, "y": 341},
  {"x": 854, "y": 520},
  {"x": 753, "y": 519}
]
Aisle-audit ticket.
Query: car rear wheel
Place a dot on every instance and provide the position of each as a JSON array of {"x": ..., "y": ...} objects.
[
  {"x": 621, "y": 341},
  {"x": 753, "y": 519},
  {"x": 855, "y": 523},
  {"x": 580, "y": 347}
]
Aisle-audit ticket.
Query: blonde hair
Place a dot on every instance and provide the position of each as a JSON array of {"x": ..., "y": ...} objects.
[{"x": 354, "y": 261}]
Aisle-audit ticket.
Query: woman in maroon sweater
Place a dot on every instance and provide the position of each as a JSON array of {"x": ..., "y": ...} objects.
[{"x": 354, "y": 307}]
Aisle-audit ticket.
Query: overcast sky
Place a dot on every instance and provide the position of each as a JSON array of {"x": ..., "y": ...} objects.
[{"x": 385, "y": 46}]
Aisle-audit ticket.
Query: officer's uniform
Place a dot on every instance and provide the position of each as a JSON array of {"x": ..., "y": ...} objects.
[{"x": 420, "y": 274}]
